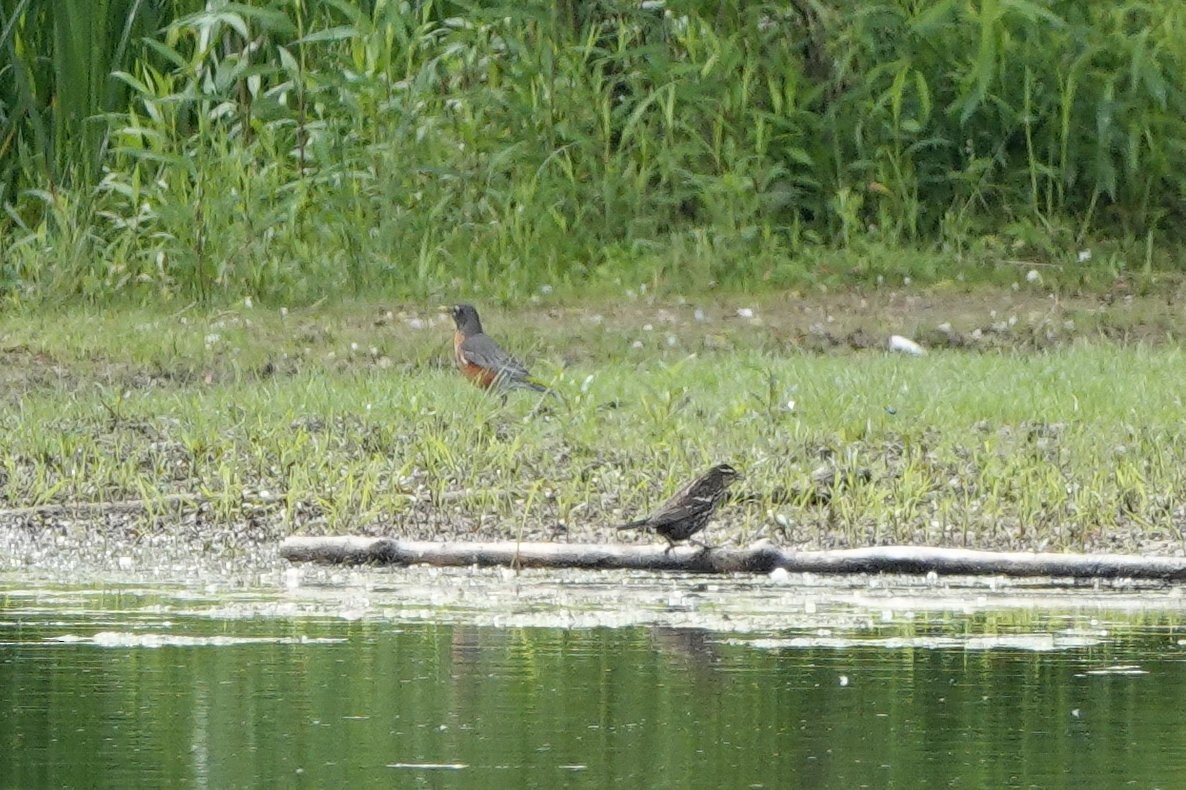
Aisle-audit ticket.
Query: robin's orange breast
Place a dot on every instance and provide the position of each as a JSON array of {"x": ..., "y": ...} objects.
[{"x": 475, "y": 373}]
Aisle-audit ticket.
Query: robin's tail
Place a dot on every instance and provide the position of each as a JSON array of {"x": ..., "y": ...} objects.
[
  {"x": 640, "y": 524},
  {"x": 524, "y": 383},
  {"x": 535, "y": 386}
]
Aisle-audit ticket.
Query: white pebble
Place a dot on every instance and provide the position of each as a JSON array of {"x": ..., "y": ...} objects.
[{"x": 905, "y": 345}]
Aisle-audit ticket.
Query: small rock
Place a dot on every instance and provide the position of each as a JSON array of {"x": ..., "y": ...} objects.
[{"x": 905, "y": 345}]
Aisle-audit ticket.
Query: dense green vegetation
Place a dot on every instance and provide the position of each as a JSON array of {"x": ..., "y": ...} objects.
[{"x": 293, "y": 149}]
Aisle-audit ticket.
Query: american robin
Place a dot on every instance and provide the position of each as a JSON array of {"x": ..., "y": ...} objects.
[
  {"x": 690, "y": 510},
  {"x": 483, "y": 361}
]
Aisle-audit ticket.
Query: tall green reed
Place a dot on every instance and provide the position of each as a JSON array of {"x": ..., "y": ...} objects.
[{"x": 296, "y": 149}]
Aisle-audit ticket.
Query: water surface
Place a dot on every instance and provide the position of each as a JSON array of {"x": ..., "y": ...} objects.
[{"x": 477, "y": 679}]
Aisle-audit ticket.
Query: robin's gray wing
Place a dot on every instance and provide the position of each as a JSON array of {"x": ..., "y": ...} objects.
[{"x": 480, "y": 350}]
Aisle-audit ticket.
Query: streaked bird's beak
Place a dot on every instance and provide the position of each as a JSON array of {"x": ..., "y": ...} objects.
[{"x": 445, "y": 308}]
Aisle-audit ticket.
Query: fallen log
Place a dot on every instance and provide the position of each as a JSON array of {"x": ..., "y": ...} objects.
[{"x": 355, "y": 550}]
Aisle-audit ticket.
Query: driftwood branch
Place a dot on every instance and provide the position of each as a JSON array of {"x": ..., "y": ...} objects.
[{"x": 878, "y": 559}]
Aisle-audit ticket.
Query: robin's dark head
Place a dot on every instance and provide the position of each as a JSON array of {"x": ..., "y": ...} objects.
[
  {"x": 724, "y": 474},
  {"x": 466, "y": 319}
]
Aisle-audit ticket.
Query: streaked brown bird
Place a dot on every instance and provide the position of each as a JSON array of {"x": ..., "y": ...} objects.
[
  {"x": 690, "y": 510},
  {"x": 483, "y": 361}
]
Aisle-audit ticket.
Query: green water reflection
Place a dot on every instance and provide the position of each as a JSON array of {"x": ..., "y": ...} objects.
[{"x": 391, "y": 704}]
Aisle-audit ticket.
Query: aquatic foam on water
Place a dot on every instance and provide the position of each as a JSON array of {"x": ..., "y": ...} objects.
[
  {"x": 1123, "y": 669},
  {"x": 128, "y": 639},
  {"x": 1036, "y": 642}
]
